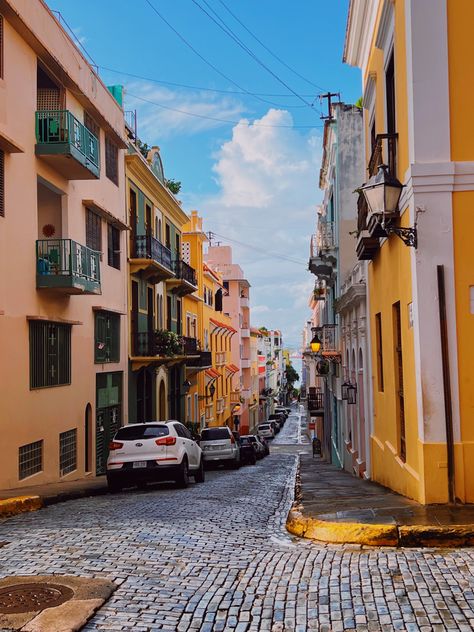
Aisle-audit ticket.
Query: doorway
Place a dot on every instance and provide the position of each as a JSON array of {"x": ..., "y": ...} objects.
[{"x": 108, "y": 415}]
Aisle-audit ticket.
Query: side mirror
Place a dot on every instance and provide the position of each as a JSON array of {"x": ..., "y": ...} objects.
[{"x": 197, "y": 438}]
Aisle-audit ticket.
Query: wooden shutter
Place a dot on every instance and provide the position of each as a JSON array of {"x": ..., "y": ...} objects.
[{"x": 93, "y": 231}]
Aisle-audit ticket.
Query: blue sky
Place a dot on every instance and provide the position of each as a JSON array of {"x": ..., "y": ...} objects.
[{"x": 254, "y": 182}]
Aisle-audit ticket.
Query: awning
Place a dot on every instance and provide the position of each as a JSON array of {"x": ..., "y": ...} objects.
[
  {"x": 217, "y": 323},
  {"x": 212, "y": 373},
  {"x": 232, "y": 368}
]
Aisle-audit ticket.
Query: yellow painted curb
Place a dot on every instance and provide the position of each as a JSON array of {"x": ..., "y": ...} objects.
[
  {"x": 342, "y": 532},
  {"x": 19, "y": 504},
  {"x": 436, "y": 535}
]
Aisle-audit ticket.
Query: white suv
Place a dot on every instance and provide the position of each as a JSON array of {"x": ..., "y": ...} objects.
[{"x": 153, "y": 451}]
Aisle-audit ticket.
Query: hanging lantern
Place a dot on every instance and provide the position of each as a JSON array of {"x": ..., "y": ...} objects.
[
  {"x": 344, "y": 390},
  {"x": 352, "y": 394}
]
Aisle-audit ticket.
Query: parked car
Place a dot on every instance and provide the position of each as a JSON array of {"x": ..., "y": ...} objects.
[
  {"x": 283, "y": 411},
  {"x": 264, "y": 442},
  {"x": 248, "y": 450},
  {"x": 288, "y": 409},
  {"x": 258, "y": 445},
  {"x": 220, "y": 446},
  {"x": 151, "y": 452},
  {"x": 278, "y": 419},
  {"x": 266, "y": 430}
]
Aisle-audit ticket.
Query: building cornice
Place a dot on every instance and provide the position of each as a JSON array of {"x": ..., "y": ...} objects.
[
  {"x": 360, "y": 26},
  {"x": 355, "y": 294}
]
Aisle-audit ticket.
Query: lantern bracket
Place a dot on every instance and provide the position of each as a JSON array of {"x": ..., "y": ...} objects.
[{"x": 409, "y": 236}]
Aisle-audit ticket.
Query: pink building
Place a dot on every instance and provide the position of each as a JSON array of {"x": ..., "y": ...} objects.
[
  {"x": 63, "y": 298},
  {"x": 237, "y": 305}
]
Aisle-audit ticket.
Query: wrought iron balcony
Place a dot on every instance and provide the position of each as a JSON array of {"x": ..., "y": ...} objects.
[
  {"x": 384, "y": 152},
  {"x": 151, "y": 257},
  {"x": 202, "y": 361},
  {"x": 185, "y": 281},
  {"x": 67, "y": 267},
  {"x": 65, "y": 143},
  {"x": 150, "y": 344}
]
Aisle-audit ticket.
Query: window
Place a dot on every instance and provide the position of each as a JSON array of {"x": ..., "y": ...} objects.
[
  {"x": 91, "y": 125},
  {"x": 67, "y": 452},
  {"x": 93, "y": 231},
  {"x": 107, "y": 337},
  {"x": 218, "y": 301},
  {"x": 111, "y": 160},
  {"x": 188, "y": 407},
  {"x": 50, "y": 354},
  {"x": 378, "y": 336},
  {"x": 113, "y": 246},
  {"x": 226, "y": 286},
  {"x": 168, "y": 236},
  {"x": 135, "y": 433},
  {"x": 30, "y": 459},
  {"x": 2, "y": 183}
]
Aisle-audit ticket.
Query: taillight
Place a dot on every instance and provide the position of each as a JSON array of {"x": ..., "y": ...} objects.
[
  {"x": 166, "y": 441},
  {"x": 115, "y": 445},
  {"x": 232, "y": 438}
]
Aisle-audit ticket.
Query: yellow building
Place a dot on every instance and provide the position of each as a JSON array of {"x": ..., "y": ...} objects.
[
  {"x": 211, "y": 388},
  {"x": 416, "y": 96},
  {"x": 159, "y": 279}
]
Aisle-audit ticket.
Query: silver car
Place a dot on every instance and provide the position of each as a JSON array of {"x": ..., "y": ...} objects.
[
  {"x": 219, "y": 445},
  {"x": 266, "y": 431}
]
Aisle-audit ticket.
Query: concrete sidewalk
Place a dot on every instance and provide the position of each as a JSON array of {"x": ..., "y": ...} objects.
[
  {"x": 14, "y": 501},
  {"x": 333, "y": 506}
]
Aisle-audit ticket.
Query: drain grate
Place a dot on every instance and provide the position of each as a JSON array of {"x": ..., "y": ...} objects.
[{"x": 32, "y": 597}]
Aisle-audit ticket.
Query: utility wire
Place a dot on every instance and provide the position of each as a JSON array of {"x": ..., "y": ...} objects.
[
  {"x": 228, "y": 31},
  {"x": 206, "y": 61},
  {"x": 315, "y": 85},
  {"x": 258, "y": 249},
  {"x": 191, "y": 87},
  {"x": 215, "y": 118}
]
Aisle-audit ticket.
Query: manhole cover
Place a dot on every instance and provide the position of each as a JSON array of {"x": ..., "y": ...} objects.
[{"x": 32, "y": 597}]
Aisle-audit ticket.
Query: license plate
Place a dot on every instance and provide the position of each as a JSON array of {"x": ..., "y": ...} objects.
[{"x": 139, "y": 464}]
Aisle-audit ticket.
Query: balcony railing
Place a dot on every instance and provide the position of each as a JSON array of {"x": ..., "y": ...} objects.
[
  {"x": 65, "y": 265},
  {"x": 149, "y": 344},
  {"x": 147, "y": 247},
  {"x": 185, "y": 272},
  {"x": 60, "y": 132},
  {"x": 203, "y": 361},
  {"x": 384, "y": 152}
]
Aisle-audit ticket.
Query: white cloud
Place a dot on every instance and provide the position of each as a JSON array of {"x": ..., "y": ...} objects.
[
  {"x": 157, "y": 122},
  {"x": 268, "y": 179}
]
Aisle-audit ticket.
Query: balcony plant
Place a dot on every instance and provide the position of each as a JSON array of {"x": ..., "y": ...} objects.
[{"x": 168, "y": 343}]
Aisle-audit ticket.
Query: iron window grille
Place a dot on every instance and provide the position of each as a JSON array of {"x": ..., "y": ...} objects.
[
  {"x": 30, "y": 459},
  {"x": 93, "y": 231},
  {"x": 67, "y": 452},
  {"x": 50, "y": 354}
]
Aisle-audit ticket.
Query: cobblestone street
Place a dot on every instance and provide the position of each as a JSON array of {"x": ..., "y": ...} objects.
[{"x": 216, "y": 557}]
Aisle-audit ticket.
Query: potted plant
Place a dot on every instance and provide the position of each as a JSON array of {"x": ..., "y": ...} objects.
[{"x": 168, "y": 343}]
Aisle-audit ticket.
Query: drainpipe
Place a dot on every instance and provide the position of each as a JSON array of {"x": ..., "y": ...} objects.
[{"x": 448, "y": 409}]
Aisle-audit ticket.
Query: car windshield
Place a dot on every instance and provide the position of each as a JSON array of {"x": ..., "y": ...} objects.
[
  {"x": 264, "y": 427},
  {"x": 146, "y": 431},
  {"x": 214, "y": 434}
]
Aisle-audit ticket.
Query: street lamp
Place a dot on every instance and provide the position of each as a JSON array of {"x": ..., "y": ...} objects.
[
  {"x": 315, "y": 343},
  {"x": 344, "y": 390},
  {"x": 382, "y": 193},
  {"x": 352, "y": 394},
  {"x": 186, "y": 386}
]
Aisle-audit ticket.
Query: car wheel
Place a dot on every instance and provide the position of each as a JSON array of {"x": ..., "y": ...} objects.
[
  {"x": 114, "y": 487},
  {"x": 199, "y": 476},
  {"x": 182, "y": 479},
  {"x": 236, "y": 464},
  {"x": 253, "y": 461}
]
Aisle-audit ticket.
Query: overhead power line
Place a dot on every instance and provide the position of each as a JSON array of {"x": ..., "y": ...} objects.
[
  {"x": 230, "y": 33},
  {"x": 215, "y": 118},
  {"x": 206, "y": 61},
  {"x": 258, "y": 249},
  {"x": 205, "y": 89},
  {"x": 295, "y": 72}
]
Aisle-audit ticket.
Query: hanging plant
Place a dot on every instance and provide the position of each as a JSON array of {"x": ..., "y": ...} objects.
[{"x": 168, "y": 343}]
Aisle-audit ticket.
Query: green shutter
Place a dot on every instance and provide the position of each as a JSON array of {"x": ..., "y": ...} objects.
[{"x": 100, "y": 338}]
